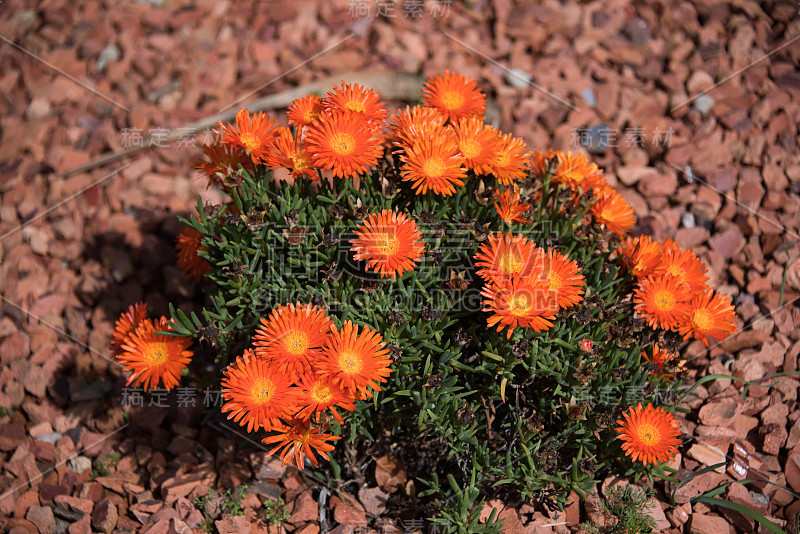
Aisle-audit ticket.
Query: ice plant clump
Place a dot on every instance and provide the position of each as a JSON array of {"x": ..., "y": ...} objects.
[{"x": 424, "y": 283}]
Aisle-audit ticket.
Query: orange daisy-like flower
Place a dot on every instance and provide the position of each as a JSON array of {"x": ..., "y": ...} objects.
[
  {"x": 317, "y": 394},
  {"x": 390, "y": 242},
  {"x": 292, "y": 338},
  {"x": 511, "y": 207},
  {"x": 478, "y": 143},
  {"x": 524, "y": 302},
  {"x": 252, "y": 136},
  {"x": 505, "y": 256},
  {"x": 433, "y": 164},
  {"x": 410, "y": 124},
  {"x": 575, "y": 171},
  {"x": 710, "y": 315},
  {"x": 640, "y": 255},
  {"x": 127, "y": 324},
  {"x": 538, "y": 161},
  {"x": 685, "y": 266},
  {"x": 454, "y": 96},
  {"x": 286, "y": 153},
  {"x": 154, "y": 358},
  {"x": 299, "y": 440},
  {"x": 256, "y": 393},
  {"x": 511, "y": 160},
  {"x": 188, "y": 245},
  {"x": 649, "y": 435},
  {"x": 304, "y": 110},
  {"x": 222, "y": 160},
  {"x": 342, "y": 142},
  {"x": 357, "y": 98},
  {"x": 614, "y": 212},
  {"x": 663, "y": 301},
  {"x": 660, "y": 359},
  {"x": 357, "y": 362},
  {"x": 563, "y": 279}
]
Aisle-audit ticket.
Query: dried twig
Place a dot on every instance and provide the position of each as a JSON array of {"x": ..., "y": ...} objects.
[{"x": 391, "y": 85}]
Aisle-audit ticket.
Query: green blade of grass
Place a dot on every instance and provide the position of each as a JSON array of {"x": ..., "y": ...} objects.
[
  {"x": 692, "y": 476},
  {"x": 742, "y": 509}
]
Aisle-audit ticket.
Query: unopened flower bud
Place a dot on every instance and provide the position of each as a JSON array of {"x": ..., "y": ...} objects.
[{"x": 587, "y": 345}]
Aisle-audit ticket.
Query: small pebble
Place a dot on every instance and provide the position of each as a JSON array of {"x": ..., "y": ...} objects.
[
  {"x": 52, "y": 437},
  {"x": 109, "y": 53},
  {"x": 518, "y": 78},
  {"x": 588, "y": 96},
  {"x": 703, "y": 103},
  {"x": 687, "y": 220}
]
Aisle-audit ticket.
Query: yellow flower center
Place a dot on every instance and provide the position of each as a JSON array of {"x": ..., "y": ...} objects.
[
  {"x": 343, "y": 143},
  {"x": 452, "y": 100},
  {"x": 575, "y": 177},
  {"x": 648, "y": 434},
  {"x": 664, "y": 300},
  {"x": 555, "y": 281},
  {"x": 434, "y": 167},
  {"x": 702, "y": 320},
  {"x": 470, "y": 148},
  {"x": 296, "y": 342},
  {"x": 321, "y": 393},
  {"x": 262, "y": 391},
  {"x": 350, "y": 362},
  {"x": 503, "y": 159},
  {"x": 300, "y": 162},
  {"x": 519, "y": 304},
  {"x": 356, "y": 106},
  {"x": 387, "y": 244},
  {"x": 156, "y": 355},
  {"x": 250, "y": 141},
  {"x": 310, "y": 115},
  {"x": 677, "y": 271},
  {"x": 511, "y": 263}
]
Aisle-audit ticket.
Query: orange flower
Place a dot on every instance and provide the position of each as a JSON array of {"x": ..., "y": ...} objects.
[
  {"x": 299, "y": 440},
  {"x": 357, "y": 98},
  {"x": 304, "y": 110},
  {"x": 286, "y": 153},
  {"x": 685, "y": 266},
  {"x": 433, "y": 164},
  {"x": 154, "y": 358},
  {"x": 317, "y": 394},
  {"x": 127, "y": 324},
  {"x": 612, "y": 210},
  {"x": 511, "y": 208},
  {"x": 188, "y": 245},
  {"x": 292, "y": 338},
  {"x": 524, "y": 302},
  {"x": 222, "y": 160},
  {"x": 660, "y": 359},
  {"x": 510, "y": 160},
  {"x": 478, "y": 143},
  {"x": 562, "y": 278},
  {"x": 538, "y": 161},
  {"x": 414, "y": 123},
  {"x": 505, "y": 256},
  {"x": 649, "y": 435},
  {"x": 575, "y": 171},
  {"x": 640, "y": 255},
  {"x": 454, "y": 96},
  {"x": 343, "y": 142},
  {"x": 256, "y": 393},
  {"x": 252, "y": 135},
  {"x": 390, "y": 242},
  {"x": 357, "y": 362},
  {"x": 663, "y": 301},
  {"x": 710, "y": 315}
]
